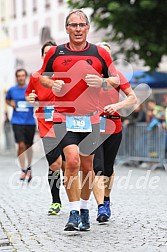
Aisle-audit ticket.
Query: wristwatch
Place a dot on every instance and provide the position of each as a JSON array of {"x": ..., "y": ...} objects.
[{"x": 104, "y": 85}]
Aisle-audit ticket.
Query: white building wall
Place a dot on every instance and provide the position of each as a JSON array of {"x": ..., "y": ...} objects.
[{"x": 28, "y": 49}]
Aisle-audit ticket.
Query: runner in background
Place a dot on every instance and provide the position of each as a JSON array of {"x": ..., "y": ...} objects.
[
  {"x": 23, "y": 123},
  {"x": 111, "y": 135},
  {"x": 36, "y": 92}
]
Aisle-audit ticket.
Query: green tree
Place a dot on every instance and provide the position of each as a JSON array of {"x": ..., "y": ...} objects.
[{"x": 138, "y": 26}]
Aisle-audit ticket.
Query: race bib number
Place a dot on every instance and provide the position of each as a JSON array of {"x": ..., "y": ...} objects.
[
  {"x": 78, "y": 124},
  {"x": 48, "y": 113},
  {"x": 102, "y": 124},
  {"x": 22, "y": 106}
]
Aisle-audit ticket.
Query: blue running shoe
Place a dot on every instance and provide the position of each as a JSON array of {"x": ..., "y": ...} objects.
[
  {"x": 85, "y": 222},
  {"x": 73, "y": 221},
  {"x": 107, "y": 207},
  {"x": 102, "y": 215}
]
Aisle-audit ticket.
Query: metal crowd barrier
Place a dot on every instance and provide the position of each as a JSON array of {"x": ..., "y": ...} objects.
[{"x": 139, "y": 143}]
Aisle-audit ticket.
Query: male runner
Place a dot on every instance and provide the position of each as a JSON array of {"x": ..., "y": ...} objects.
[
  {"x": 79, "y": 68},
  {"x": 111, "y": 135},
  {"x": 36, "y": 92},
  {"x": 23, "y": 123}
]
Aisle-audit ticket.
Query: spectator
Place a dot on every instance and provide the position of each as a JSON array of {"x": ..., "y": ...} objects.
[
  {"x": 138, "y": 115},
  {"x": 164, "y": 125},
  {"x": 7, "y": 130},
  {"x": 155, "y": 114}
]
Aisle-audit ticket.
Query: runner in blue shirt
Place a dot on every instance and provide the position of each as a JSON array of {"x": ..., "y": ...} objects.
[{"x": 23, "y": 122}]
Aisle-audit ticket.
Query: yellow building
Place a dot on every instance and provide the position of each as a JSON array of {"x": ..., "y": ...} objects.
[{"x": 5, "y": 13}]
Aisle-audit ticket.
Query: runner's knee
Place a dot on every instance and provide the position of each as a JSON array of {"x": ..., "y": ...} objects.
[{"x": 55, "y": 166}]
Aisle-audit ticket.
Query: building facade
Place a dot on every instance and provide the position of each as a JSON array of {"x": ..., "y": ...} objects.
[{"x": 33, "y": 23}]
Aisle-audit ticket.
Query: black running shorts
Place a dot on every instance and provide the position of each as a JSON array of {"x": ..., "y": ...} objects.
[
  {"x": 105, "y": 154},
  {"x": 24, "y": 133},
  {"x": 52, "y": 150},
  {"x": 87, "y": 141}
]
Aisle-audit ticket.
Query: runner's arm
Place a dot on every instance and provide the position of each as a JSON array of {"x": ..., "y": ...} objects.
[
  {"x": 94, "y": 80},
  {"x": 46, "y": 81},
  {"x": 11, "y": 103},
  {"x": 130, "y": 100}
]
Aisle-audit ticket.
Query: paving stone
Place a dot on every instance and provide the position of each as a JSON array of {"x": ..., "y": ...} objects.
[{"x": 138, "y": 222}]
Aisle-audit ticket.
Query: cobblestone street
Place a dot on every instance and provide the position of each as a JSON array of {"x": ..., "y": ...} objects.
[{"x": 139, "y": 219}]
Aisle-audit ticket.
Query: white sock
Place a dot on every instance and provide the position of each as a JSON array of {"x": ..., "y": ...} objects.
[
  {"x": 84, "y": 204},
  {"x": 75, "y": 205}
]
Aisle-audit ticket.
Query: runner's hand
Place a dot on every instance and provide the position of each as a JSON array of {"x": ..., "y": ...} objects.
[
  {"x": 13, "y": 104},
  {"x": 93, "y": 80},
  {"x": 57, "y": 85},
  {"x": 31, "y": 97},
  {"x": 111, "y": 109}
]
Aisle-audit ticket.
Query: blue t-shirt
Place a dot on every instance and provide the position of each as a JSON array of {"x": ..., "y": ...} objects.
[{"x": 23, "y": 113}]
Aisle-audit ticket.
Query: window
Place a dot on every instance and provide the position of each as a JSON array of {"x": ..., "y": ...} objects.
[
  {"x": 45, "y": 34},
  {"x": 24, "y": 31},
  {"x": 47, "y": 4},
  {"x": 2, "y": 19},
  {"x": 19, "y": 63},
  {"x": 60, "y": 23},
  {"x": 24, "y": 7},
  {"x": 35, "y": 28},
  {"x": 2, "y": 11},
  {"x": 34, "y": 8},
  {"x": 48, "y": 22},
  {"x": 14, "y": 9},
  {"x": 15, "y": 33}
]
